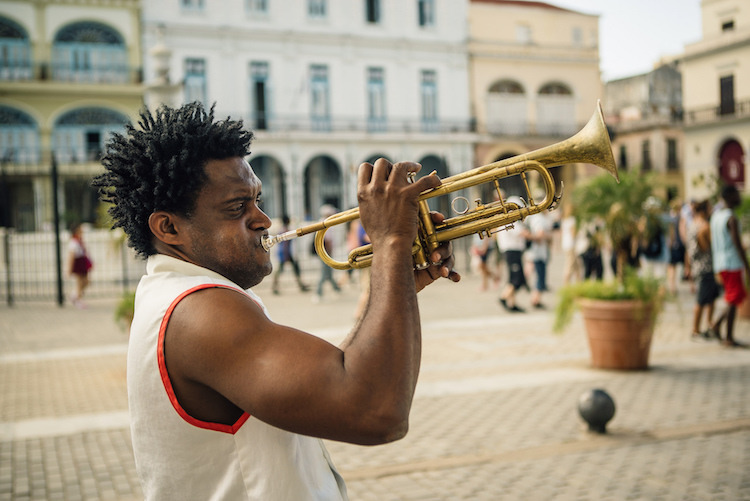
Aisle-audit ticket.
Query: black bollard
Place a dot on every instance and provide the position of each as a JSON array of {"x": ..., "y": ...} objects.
[{"x": 597, "y": 408}]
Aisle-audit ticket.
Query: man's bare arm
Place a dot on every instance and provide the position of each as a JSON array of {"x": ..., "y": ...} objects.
[{"x": 220, "y": 343}]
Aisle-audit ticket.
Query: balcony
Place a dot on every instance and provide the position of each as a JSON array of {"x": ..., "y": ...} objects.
[
  {"x": 352, "y": 124},
  {"x": 54, "y": 72},
  {"x": 717, "y": 114}
]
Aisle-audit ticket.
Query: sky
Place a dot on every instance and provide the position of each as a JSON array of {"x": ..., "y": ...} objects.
[{"x": 634, "y": 34}]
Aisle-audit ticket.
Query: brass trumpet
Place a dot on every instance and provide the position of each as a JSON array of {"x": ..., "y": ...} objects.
[{"x": 590, "y": 145}]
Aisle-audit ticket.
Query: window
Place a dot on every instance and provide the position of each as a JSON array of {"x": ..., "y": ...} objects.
[
  {"x": 319, "y": 97},
  {"x": 727, "y": 26},
  {"x": 523, "y": 34},
  {"x": 259, "y": 94},
  {"x": 507, "y": 108},
  {"x": 15, "y": 51},
  {"x": 426, "y": 12},
  {"x": 19, "y": 137},
  {"x": 316, "y": 9},
  {"x": 672, "y": 154},
  {"x": 89, "y": 52},
  {"x": 196, "y": 5},
  {"x": 577, "y": 35},
  {"x": 623, "y": 163},
  {"x": 80, "y": 135},
  {"x": 372, "y": 11},
  {"x": 556, "y": 108},
  {"x": 429, "y": 100},
  {"x": 646, "y": 156},
  {"x": 375, "y": 99},
  {"x": 256, "y": 6},
  {"x": 195, "y": 80},
  {"x": 726, "y": 88}
]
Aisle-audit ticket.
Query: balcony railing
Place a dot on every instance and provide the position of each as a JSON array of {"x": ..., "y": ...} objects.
[
  {"x": 109, "y": 74},
  {"x": 339, "y": 124},
  {"x": 718, "y": 113}
]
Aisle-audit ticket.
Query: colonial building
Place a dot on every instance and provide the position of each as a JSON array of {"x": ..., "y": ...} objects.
[
  {"x": 325, "y": 85},
  {"x": 716, "y": 97},
  {"x": 70, "y": 74},
  {"x": 645, "y": 113},
  {"x": 535, "y": 79}
]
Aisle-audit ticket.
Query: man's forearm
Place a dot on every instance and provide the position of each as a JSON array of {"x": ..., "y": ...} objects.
[{"x": 383, "y": 353}]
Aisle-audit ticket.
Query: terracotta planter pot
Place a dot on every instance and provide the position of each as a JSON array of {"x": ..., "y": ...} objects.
[{"x": 619, "y": 332}]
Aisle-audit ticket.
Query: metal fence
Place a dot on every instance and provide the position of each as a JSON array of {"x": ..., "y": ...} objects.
[{"x": 34, "y": 265}]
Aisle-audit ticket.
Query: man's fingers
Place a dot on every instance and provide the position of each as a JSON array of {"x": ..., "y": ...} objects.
[
  {"x": 364, "y": 175},
  {"x": 381, "y": 170}
]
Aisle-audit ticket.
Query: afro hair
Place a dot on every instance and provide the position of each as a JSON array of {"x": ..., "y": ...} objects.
[{"x": 160, "y": 166}]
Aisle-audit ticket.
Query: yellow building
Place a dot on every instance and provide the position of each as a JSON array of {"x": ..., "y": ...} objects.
[
  {"x": 716, "y": 98},
  {"x": 534, "y": 78},
  {"x": 70, "y": 75}
]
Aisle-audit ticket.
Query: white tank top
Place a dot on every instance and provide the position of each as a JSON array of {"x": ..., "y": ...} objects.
[{"x": 179, "y": 457}]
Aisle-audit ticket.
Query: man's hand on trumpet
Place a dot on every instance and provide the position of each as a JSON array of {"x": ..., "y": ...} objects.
[
  {"x": 388, "y": 205},
  {"x": 442, "y": 262}
]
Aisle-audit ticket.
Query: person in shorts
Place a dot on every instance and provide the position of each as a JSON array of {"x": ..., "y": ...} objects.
[{"x": 729, "y": 260}]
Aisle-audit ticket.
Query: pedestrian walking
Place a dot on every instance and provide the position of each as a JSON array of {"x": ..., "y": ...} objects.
[
  {"x": 729, "y": 261},
  {"x": 512, "y": 242},
  {"x": 326, "y": 272},
  {"x": 699, "y": 253},
  {"x": 79, "y": 263},
  {"x": 285, "y": 256}
]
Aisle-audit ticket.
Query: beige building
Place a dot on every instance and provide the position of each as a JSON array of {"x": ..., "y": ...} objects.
[
  {"x": 716, "y": 98},
  {"x": 534, "y": 78},
  {"x": 70, "y": 75},
  {"x": 645, "y": 114}
]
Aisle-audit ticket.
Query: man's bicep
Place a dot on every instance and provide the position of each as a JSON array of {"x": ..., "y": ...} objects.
[{"x": 280, "y": 375}]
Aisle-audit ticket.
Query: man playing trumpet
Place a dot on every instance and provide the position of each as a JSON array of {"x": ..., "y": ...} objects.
[{"x": 225, "y": 403}]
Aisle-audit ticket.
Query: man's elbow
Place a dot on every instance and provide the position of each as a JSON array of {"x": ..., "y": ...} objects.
[{"x": 383, "y": 428}]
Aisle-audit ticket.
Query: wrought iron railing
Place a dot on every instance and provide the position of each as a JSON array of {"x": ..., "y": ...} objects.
[
  {"x": 54, "y": 72},
  {"x": 718, "y": 113}
]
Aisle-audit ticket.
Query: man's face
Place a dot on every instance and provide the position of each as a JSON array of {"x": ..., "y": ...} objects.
[{"x": 226, "y": 225}]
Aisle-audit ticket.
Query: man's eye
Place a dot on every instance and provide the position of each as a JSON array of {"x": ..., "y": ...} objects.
[{"x": 259, "y": 201}]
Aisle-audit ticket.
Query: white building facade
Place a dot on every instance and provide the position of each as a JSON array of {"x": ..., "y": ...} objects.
[
  {"x": 325, "y": 85},
  {"x": 716, "y": 94}
]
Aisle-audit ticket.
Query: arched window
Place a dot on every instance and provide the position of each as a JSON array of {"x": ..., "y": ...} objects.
[
  {"x": 556, "y": 110},
  {"x": 507, "y": 108},
  {"x": 15, "y": 51},
  {"x": 436, "y": 163},
  {"x": 271, "y": 174},
  {"x": 555, "y": 89},
  {"x": 19, "y": 137},
  {"x": 79, "y": 135},
  {"x": 323, "y": 185},
  {"x": 89, "y": 52},
  {"x": 507, "y": 87}
]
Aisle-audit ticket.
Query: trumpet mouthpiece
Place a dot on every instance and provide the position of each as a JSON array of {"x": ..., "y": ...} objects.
[{"x": 267, "y": 241}]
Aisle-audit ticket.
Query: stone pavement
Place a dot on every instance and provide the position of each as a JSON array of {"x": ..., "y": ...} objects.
[{"x": 495, "y": 416}]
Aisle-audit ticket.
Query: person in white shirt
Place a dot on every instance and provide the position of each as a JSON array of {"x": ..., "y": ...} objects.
[
  {"x": 540, "y": 227},
  {"x": 512, "y": 243}
]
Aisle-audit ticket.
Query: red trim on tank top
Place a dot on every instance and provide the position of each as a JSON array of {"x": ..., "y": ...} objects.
[{"x": 224, "y": 428}]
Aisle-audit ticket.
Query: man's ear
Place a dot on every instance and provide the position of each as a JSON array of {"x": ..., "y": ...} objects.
[{"x": 166, "y": 227}]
